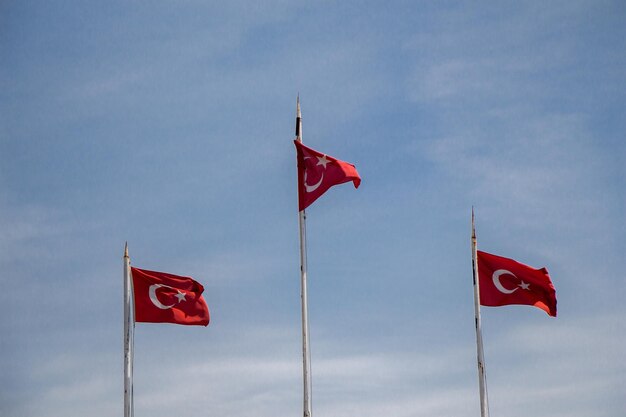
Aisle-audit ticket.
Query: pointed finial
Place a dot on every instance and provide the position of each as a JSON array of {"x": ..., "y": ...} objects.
[
  {"x": 298, "y": 106},
  {"x": 473, "y": 228},
  {"x": 126, "y": 250},
  {"x": 298, "y": 120}
]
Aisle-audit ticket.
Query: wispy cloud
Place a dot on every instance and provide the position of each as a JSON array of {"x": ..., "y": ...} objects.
[{"x": 169, "y": 126}]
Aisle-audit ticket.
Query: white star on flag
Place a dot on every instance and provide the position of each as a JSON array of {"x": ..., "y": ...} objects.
[
  {"x": 323, "y": 161},
  {"x": 181, "y": 296}
]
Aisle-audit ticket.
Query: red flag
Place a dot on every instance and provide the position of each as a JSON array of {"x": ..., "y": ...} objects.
[
  {"x": 165, "y": 298},
  {"x": 318, "y": 172},
  {"x": 504, "y": 281}
]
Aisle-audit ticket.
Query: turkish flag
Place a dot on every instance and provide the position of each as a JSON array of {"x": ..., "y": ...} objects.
[
  {"x": 166, "y": 298},
  {"x": 504, "y": 281},
  {"x": 318, "y": 172}
]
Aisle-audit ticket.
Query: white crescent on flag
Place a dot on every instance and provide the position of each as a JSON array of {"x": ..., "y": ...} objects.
[
  {"x": 498, "y": 284},
  {"x": 155, "y": 300},
  {"x": 311, "y": 188}
]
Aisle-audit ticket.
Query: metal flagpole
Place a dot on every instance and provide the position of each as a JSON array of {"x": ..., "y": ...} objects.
[
  {"x": 482, "y": 379},
  {"x": 128, "y": 338},
  {"x": 306, "y": 353}
]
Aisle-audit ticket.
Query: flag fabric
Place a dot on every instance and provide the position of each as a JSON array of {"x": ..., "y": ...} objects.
[
  {"x": 166, "y": 298},
  {"x": 318, "y": 172},
  {"x": 504, "y": 281}
]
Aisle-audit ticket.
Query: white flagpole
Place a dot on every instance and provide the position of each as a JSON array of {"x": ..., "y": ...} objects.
[
  {"x": 128, "y": 338},
  {"x": 482, "y": 379},
  {"x": 306, "y": 353}
]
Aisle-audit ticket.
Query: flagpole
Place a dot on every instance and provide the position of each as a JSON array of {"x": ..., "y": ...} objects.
[
  {"x": 128, "y": 338},
  {"x": 482, "y": 379},
  {"x": 306, "y": 353}
]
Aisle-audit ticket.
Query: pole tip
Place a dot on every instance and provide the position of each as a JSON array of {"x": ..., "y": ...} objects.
[
  {"x": 298, "y": 106},
  {"x": 298, "y": 120},
  {"x": 473, "y": 227},
  {"x": 126, "y": 250}
]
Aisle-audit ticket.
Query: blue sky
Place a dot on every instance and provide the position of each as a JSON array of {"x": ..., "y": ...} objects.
[{"x": 170, "y": 125}]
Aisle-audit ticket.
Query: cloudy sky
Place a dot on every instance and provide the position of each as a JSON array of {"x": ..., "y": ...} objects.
[{"x": 170, "y": 125}]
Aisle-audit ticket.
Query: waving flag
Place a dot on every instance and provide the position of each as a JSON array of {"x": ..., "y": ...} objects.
[
  {"x": 504, "y": 281},
  {"x": 166, "y": 298},
  {"x": 318, "y": 172}
]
